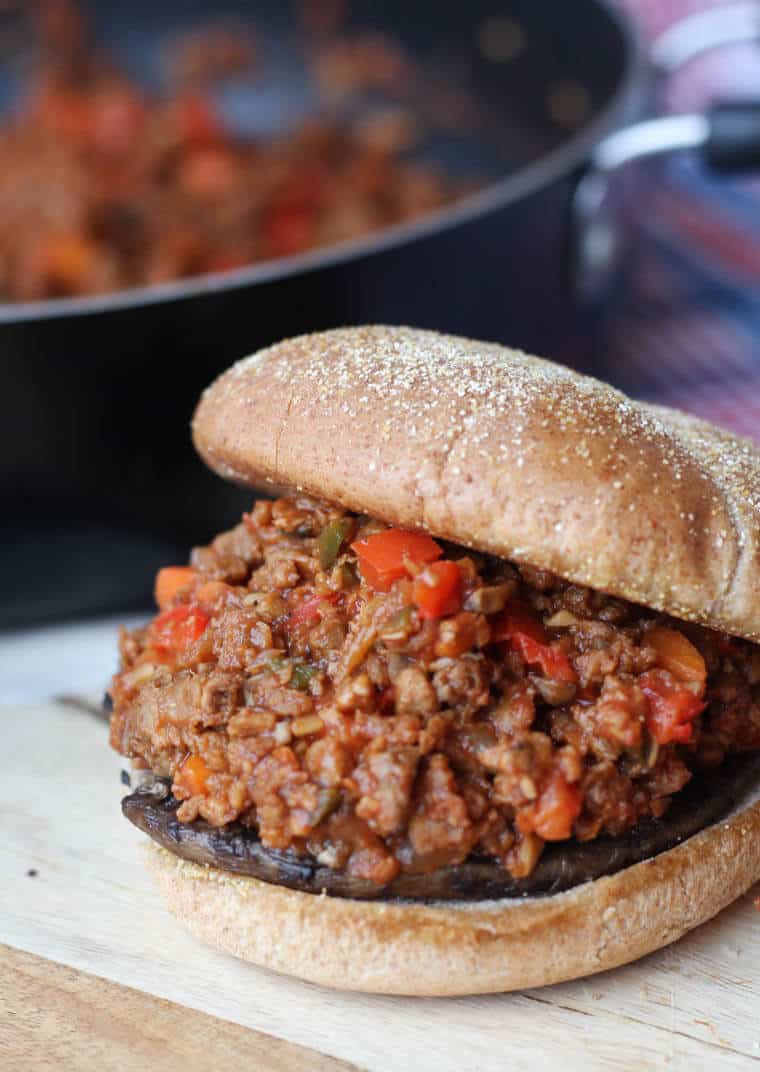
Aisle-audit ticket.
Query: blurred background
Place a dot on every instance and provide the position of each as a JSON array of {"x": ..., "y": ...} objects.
[{"x": 182, "y": 182}]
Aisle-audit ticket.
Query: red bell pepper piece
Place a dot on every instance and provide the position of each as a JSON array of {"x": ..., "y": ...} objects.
[
  {"x": 525, "y": 634},
  {"x": 437, "y": 591},
  {"x": 176, "y": 629},
  {"x": 671, "y": 709},
  {"x": 310, "y": 609},
  {"x": 383, "y": 557}
]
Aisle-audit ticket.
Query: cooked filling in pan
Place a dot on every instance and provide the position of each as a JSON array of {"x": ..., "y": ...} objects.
[
  {"x": 105, "y": 184},
  {"x": 383, "y": 703}
]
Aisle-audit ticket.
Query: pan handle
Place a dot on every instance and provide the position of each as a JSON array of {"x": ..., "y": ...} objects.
[{"x": 726, "y": 137}]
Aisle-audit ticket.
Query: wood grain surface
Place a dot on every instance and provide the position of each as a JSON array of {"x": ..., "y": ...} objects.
[
  {"x": 59, "y": 1018},
  {"x": 73, "y": 890}
]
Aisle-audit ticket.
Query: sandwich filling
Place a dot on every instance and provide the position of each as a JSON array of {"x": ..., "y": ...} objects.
[{"x": 383, "y": 704}]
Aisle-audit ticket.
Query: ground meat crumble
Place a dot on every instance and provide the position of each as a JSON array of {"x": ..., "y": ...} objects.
[{"x": 384, "y": 702}]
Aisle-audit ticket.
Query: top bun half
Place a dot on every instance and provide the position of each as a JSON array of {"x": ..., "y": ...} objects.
[{"x": 505, "y": 453}]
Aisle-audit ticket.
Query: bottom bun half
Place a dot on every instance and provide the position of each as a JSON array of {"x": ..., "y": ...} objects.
[{"x": 465, "y": 948}]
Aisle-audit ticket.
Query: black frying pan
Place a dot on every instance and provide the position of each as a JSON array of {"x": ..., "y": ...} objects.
[{"x": 98, "y": 482}]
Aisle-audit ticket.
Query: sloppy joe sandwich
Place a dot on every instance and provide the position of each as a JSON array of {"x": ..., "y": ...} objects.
[{"x": 471, "y": 700}]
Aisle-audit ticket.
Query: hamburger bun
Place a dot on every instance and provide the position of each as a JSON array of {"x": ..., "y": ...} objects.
[
  {"x": 459, "y": 948},
  {"x": 511, "y": 455}
]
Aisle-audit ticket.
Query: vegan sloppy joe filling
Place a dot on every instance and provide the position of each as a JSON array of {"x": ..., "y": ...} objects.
[{"x": 380, "y": 704}]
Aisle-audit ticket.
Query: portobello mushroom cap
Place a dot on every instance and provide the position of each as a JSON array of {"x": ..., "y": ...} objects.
[{"x": 562, "y": 866}]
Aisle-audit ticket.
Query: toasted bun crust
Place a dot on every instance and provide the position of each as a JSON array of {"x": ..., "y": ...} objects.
[
  {"x": 457, "y": 949},
  {"x": 503, "y": 452}
]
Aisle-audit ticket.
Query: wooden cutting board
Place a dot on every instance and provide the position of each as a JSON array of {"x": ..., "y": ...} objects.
[{"x": 96, "y": 974}]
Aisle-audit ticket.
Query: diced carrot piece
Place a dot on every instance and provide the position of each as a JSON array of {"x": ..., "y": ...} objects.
[
  {"x": 676, "y": 653},
  {"x": 211, "y": 592},
  {"x": 169, "y": 581},
  {"x": 553, "y": 814},
  {"x": 67, "y": 261},
  {"x": 208, "y": 172},
  {"x": 192, "y": 775}
]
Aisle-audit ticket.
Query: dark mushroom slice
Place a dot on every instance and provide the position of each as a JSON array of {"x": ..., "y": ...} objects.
[{"x": 563, "y": 865}]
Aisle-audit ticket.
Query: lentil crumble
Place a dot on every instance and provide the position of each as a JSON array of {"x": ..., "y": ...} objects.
[{"x": 385, "y": 702}]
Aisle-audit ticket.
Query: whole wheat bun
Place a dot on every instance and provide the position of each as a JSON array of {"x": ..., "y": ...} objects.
[
  {"x": 457, "y": 948},
  {"x": 508, "y": 454},
  {"x": 502, "y": 452}
]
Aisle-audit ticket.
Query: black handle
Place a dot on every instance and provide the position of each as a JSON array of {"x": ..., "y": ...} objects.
[{"x": 733, "y": 141}]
